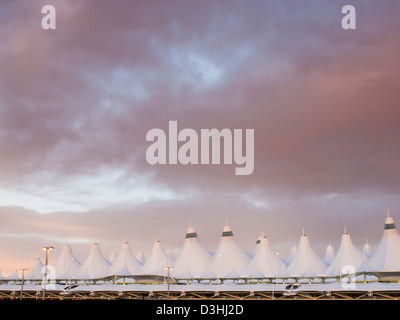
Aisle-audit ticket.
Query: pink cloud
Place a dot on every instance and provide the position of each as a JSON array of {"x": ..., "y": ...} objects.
[{"x": 323, "y": 103}]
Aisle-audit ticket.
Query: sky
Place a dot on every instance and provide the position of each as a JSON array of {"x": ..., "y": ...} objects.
[{"x": 77, "y": 102}]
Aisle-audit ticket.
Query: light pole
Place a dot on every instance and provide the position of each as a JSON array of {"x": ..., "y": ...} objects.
[
  {"x": 168, "y": 279},
  {"x": 47, "y": 249},
  {"x": 276, "y": 279},
  {"x": 22, "y": 283}
]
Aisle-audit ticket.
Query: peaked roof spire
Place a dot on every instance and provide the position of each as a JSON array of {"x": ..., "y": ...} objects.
[
  {"x": 265, "y": 262},
  {"x": 157, "y": 261},
  {"x": 229, "y": 255},
  {"x": 191, "y": 232},
  {"x": 305, "y": 260},
  {"x": 348, "y": 254},
  {"x": 125, "y": 263},
  {"x": 386, "y": 257},
  {"x": 193, "y": 258},
  {"x": 94, "y": 266},
  {"x": 367, "y": 249},
  {"x": 389, "y": 223},
  {"x": 66, "y": 265},
  {"x": 329, "y": 255}
]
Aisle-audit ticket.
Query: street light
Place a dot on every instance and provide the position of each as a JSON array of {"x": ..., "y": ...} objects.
[
  {"x": 47, "y": 249},
  {"x": 22, "y": 283},
  {"x": 168, "y": 279}
]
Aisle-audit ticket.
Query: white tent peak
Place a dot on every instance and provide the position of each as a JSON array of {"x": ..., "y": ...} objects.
[
  {"x": 67, "y": 265},
  {"x": 193, "y": 256},
  {"x": 387, "y": 255},
  {"x": 191, "y": 232},
  {"x": 348, "y": 254},
  {"x": 227, "y": 232},
  {"x": 329, "y": 255},
  {"x": 265, "y": 262},
  {"x": 140, "y": 256},
  {"x": 36, "y": 271},
  {"x": 389, "y": 223},
  {"x": 228, "y": 255},
  {"x": 254, "y": 250},
  {"x": 367, "y": 249},
  {"x": 157, "y": 261},
  {"x": 305, "y": 260},
  {"x": 95, "y": 265},
  {"x": 113, "y": 256},
  {"x": 291, "y": 255},
  {"x": 14, "y": 275},
  {"x": 125, "y": 263}
]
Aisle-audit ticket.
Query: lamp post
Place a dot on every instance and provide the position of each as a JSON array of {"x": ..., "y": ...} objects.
[
  {"x": 168, "y": 279},
  {"x": 22, "y": 283},
  {"x": 276, "y": 279},
  {"x": 47, "y": 249}
]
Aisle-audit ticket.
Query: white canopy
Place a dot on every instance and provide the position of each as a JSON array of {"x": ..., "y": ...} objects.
[
  {"x": 67, "y": 265},
  {"x": 125, "y": 263},
  {"x": 291, "y": 255},
  {"x": 229, "y": 256},
  {"x": 367, "y": 249},
  {"x": 157, "y": 261},
  {"x": 36, "y": 271},
  {"x": 254, "y": 250},
  {"x": 13, "y": 276},
  {"x": 348, "y": 255},
  {"x": 95, "y": 265},
  {"x": 140, "y": 256},
  {"x": 265, "y": 261},
  {"x": 387, "y": 255},
  {"x": 364, "y": 264},
  {"x": 329, "y": 255},
  {"x": 193, "y": 259},
  {"x": 112, "y": 257},
  {"x": 306, "y": 261},
  {"x": 367, "y": 253}
]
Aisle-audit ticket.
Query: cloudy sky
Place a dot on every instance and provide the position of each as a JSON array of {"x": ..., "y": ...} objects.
[{"x": 77, "y": 102}]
